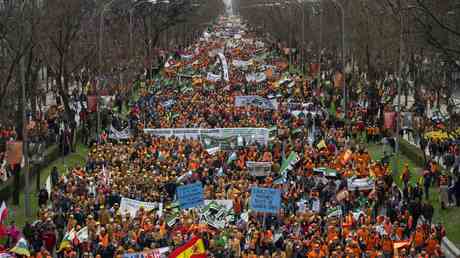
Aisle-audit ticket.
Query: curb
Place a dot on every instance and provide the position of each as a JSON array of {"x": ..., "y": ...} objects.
[{"x": 449, "y": 248}]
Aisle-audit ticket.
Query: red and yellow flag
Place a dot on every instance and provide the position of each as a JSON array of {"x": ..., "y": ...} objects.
[
  {"x": 345, "y": 157},
  {"x": 192, "y": 249}
]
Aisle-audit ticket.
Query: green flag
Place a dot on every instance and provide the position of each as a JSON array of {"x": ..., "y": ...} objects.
[
  {"x": 332, "y": 109},
  {"x": 287, "y": 164}
]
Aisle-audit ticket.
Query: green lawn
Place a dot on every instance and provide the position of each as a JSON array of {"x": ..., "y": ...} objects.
[
  {"x": 450, "y": 217},
  {"x": 17, "y": 213}
]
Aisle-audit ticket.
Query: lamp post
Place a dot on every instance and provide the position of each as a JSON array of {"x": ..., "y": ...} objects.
[
  {"x": 344, "y": 104},
  {"x": 22, "y": 68}
]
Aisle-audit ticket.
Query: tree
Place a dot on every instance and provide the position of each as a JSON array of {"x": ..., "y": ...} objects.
[
  {"x": 66, "y": 45},
  {"x": 18, "y": 41}
]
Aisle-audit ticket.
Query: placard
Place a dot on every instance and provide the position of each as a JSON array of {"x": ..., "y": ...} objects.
[
  {"x": 252, "y": 100},
  {"x": 155, "y": 253},
  {"x": 265, "y": 200},
  {"x": 389, "y": 121},
  {"x": 131, "y": 206},
  {"x": 14, "y": 152},
  {"x": 259, "y": 168},
  {"x": 190, "y": 196}
]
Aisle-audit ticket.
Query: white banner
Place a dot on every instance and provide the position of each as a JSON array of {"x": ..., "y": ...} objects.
[
  {"x": 224, "y": 66},
  {"x": 248, "y": 134},
  {"x": 360, "y": 184},
  {"x": 258, "y": 101},
  {"x": 119, "y": 135},
  {"x": 256, "y": 77},
  {"x": 260, "y": 44},
  {"x": 240, "y": 63},
  {"x": 186, "y": 57},
  {"x": 213, "y": 77},
  {"x": 132, "y": 206},
  {"x": 156, "y": 253},
  {"x": 227, "y": 203},
  {"x": 259, "y": 168}
]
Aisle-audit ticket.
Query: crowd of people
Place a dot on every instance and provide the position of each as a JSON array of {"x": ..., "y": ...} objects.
[{"x": 336, "y": 200}]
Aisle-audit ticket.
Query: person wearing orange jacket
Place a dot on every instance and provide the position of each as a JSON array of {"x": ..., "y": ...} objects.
[
  {"x": 387, "y": 246},
  {"x": 316, "y": 252}
]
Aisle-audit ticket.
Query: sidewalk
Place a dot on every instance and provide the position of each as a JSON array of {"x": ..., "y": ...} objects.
[{"x": 17, "y": 213}]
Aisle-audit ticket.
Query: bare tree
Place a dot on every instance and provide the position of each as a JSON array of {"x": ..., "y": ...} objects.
[{"x": 64, "y": 42}]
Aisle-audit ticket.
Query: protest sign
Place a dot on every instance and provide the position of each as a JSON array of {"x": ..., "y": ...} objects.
[
  {"x": 265, "y": 199},
  {"x": 131, "y": 206},
  {"x": 259, "y": 168},
  {"x": 241, "y": 101},
  {"x": 360, "y": 183},
  {"x": 316, "y": 205},
  {"x": 119, "y": 135},
  {"x": 334, "y": 212},
  {"x": 155, "y": 253},
  {"x": 328, "y": 172},
  {"x": 302, "y": 206},
  {"x": 240, "y": 63},
  {"x": 14, "y": 152},
  {"x": 190, "y": 196},
  {"x": 168, "y": 103},
  {"x": 224, "y": 143},
  {"x": 272, "y": 133},
  {"x": 287, "y": 164},
  {"x": 213, "y": 77},
  {"x": 223, "y": 61},
  {"x": 228, "y": 204},
  {"x": 186, "y": 57},
  {"x": 183, "y": 133},
  {"x": 249, "y": 135},
  {"x": 215, "y": 213},
  {"x": 256, "y": 77},
  {"x": 389, "y": 120},
  {"x": 407, "y": 120}
]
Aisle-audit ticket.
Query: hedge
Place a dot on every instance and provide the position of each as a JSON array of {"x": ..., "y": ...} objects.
[
  {"x": 7, "y": 188},
  {"x": 412, "y": 152}
]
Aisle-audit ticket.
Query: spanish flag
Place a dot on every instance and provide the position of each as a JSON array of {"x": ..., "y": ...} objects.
[
  {"x": 192, "y": 249},
  {"x": 345, "y": 157}
]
